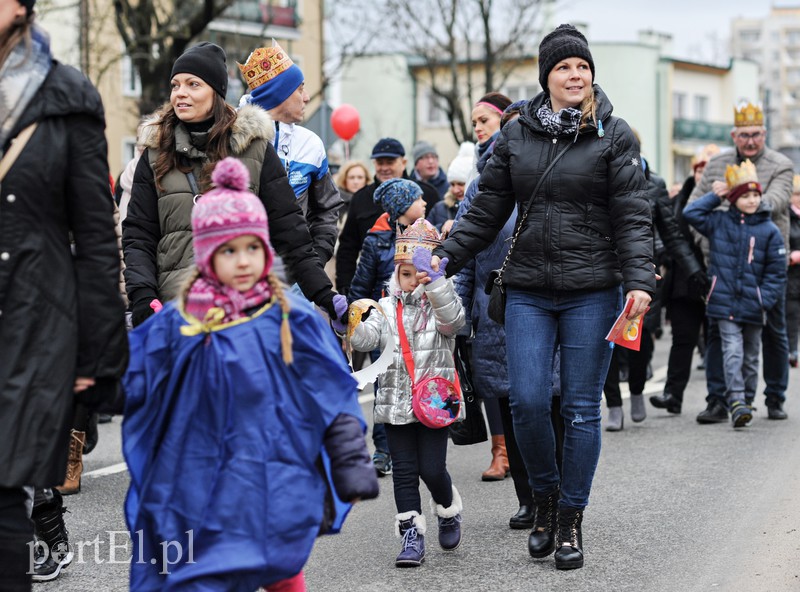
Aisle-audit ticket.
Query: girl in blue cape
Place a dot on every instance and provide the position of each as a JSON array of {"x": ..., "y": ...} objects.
[{"x": 242, "y": 430}]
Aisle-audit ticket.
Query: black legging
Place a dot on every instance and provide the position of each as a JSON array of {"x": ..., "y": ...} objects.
[{"x": 637, "y": 370}]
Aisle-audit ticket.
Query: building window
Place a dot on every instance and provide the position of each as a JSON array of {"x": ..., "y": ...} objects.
[
  {"x": 521, "y": 92},
  {"x": 793, "y": 37},
  {"x": 435, "y": 109},
  {"x": 679, "y": 105},
  {"x": 749, "y": 36},
  {"x": 128, "y": 150},
  {"x": 700, "y": 107},
  {"x": 131, "y": 83}
]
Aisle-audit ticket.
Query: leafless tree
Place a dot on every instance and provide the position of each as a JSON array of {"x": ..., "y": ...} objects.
[
  {"x": 155, "y": 34},
  {"x": 467, "y": 47}
]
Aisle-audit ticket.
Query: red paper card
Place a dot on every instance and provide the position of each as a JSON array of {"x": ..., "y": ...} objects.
[{"x": 627, "y": 332}]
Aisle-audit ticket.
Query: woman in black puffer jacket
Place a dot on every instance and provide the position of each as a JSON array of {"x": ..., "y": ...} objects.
[{"x": 588, "y": 234}]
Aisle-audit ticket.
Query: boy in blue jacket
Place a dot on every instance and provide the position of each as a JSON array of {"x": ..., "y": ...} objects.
[{"x": 748, "y": 275}]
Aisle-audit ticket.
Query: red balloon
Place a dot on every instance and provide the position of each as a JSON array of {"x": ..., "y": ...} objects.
[{"x": 345, "y": 121}]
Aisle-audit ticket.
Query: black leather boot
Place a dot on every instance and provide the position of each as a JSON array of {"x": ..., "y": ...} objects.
[
  {"x": 542, "y": 539},
  {"x": 523, "y": 519},
  {"x": 666, "y": 401},
  {"x": 569, "y": 542}
]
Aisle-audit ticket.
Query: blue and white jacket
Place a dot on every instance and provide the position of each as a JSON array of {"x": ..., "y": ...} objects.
[{"x": 302, "y": 154}]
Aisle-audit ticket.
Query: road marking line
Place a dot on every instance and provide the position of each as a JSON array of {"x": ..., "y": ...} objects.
[{"x": 110, "y": 470}]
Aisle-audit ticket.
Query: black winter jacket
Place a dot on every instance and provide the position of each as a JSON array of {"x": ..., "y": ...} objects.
[
  {"x": 676, "y": 280},
  {"x": 590, "y": 226},
  {"x": 61, "y": 314}
]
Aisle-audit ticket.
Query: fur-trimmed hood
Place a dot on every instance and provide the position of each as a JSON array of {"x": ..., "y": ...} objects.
[{"x": 252, "y": 123}]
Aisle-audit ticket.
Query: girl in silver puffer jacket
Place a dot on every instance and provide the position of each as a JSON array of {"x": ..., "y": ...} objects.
[{"x": 431, "y": 320}]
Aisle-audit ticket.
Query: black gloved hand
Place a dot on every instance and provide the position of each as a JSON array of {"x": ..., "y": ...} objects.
[
  {"x": 699, "y": 284},
  {"x": 105, "y": 395},
  {"x": 141, "y": 311}
]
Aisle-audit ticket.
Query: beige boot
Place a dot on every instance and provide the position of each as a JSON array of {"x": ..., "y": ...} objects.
[
  {"x": 498, "y": 470},
  {"x": 72, "y": 484}
]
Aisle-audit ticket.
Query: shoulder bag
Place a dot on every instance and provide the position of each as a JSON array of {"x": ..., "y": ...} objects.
[
  {"x": 496, "y": 308},
  {"x": 435, "y": 401}
]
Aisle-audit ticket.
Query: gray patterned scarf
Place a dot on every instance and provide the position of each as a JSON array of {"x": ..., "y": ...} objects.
[
  {"x": 563, "y": 123},
  {"x": 21, "y": 77}
]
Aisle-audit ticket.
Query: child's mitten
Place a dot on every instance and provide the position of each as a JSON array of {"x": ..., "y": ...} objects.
[{"x": 422, "y": 261}]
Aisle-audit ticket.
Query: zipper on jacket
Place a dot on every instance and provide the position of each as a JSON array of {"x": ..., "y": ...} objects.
[{"x": 546, "y": 243}]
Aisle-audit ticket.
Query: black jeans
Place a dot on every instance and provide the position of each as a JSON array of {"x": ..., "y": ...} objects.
[
  {"x": 418, "y": 452},
  {"x": 687, "y": 319},
  {"x": 793, "y": 321},
  {"x": 16, "y": 531}
]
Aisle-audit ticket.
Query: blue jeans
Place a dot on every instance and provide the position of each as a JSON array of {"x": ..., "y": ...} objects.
[
  {"x": 536, "y": 324},
  {"x": 775, "y": 346},
  {"x": 740, "y": 344}
]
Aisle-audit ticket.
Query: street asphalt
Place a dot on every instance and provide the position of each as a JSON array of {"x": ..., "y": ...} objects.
[{"x": 676, "y": 506}]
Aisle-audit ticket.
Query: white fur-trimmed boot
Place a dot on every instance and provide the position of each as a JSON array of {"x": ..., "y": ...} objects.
[
  {"x": 411, "y": 527},
  {"x": 449, "y": 522}
]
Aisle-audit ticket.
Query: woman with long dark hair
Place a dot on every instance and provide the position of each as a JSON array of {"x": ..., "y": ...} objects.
[{"x": 183, "y": 142}]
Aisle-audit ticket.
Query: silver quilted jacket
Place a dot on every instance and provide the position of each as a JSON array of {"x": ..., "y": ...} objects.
[{"x": 431, "y": 324}]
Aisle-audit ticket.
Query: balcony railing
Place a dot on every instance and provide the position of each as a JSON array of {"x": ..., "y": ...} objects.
[
  {"x": 688, "y": 129},
  {"x": 263, "y": 12}
]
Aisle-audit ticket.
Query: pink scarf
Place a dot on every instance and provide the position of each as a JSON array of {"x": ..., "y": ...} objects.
[{"x": 205, "y": 294}]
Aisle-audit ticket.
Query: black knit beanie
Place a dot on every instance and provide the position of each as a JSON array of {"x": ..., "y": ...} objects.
[
  {"x": 207, "y": 61},
  {"x": 28, "y": 4},
  {"x": 562, "y": 43}
]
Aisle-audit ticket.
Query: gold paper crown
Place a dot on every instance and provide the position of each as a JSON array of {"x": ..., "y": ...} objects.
[
  {"x": 704, "y": 155},
  {"x": 744, "y": 174},
  {"x": 796, "y": 184},
  {"x": 420, "y": 234},
  {"x": 264, "y": 64},
  {"x": 747, "y": 114}
]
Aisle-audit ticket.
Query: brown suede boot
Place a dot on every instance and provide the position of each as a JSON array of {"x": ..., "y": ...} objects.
[
  {"x": 72, "y": 484},
  {"x": 498, "y": 470}
]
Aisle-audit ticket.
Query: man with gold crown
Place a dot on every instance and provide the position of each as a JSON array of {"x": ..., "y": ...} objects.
[
  {"x": 747, "y": 261},
  {"x": 277, "y": 85},
  {"x": 775, "y": 176}
]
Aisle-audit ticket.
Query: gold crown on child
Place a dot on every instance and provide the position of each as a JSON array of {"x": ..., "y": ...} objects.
[
  {"x": 421, "y": 234},
  {"x": 748, "y": 114},
  {"x": 264, "y": 64},
  {"x": 796, "y": 184},
  {"x": 744, "y": 174}
]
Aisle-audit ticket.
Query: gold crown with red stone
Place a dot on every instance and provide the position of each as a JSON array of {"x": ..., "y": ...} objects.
[
  {"x": 421, "y": 234},
  {"x": 744, "y": 174},
  {"x": 264, "y": 64},
  {"x": 748, "y": 114}
]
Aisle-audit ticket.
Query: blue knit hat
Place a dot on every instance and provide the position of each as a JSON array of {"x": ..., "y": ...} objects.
[{"x": 396, "y": 196}]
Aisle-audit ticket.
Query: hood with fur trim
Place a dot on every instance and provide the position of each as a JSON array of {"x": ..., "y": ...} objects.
[{"x": 252, "y": 123}]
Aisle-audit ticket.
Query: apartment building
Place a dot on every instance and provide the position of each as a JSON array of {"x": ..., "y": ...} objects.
[{"x": 773, "y": 42}]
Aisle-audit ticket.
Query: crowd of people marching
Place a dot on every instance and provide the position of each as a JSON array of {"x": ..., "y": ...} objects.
[{"x": 230, "y": 371}]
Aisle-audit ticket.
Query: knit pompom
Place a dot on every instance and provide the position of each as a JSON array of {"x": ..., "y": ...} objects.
[{"x": 230, "y": 173}]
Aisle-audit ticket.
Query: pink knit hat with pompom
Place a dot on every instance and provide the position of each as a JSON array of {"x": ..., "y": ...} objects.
[{"x": 226, "y": 212}]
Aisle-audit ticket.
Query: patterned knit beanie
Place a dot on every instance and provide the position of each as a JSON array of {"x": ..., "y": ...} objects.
[
  {"x": 562, "y": 43},
  {"x": 226, "y": 212},
  {"x": 396, "y": 196}
]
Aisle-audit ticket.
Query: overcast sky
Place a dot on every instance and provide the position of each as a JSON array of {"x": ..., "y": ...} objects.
[{"x": 693, "y": 24}]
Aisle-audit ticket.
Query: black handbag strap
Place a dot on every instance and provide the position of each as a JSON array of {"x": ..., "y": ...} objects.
[{"x": 499, "y": 279}]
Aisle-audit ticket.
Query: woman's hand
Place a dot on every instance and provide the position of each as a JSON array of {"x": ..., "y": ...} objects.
[
  {"x": 82, "y": 383},
  {"x": 641, "y": 300}
]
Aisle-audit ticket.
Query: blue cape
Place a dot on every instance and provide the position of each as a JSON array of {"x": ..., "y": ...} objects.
[{"x": 224, "y": 443}]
